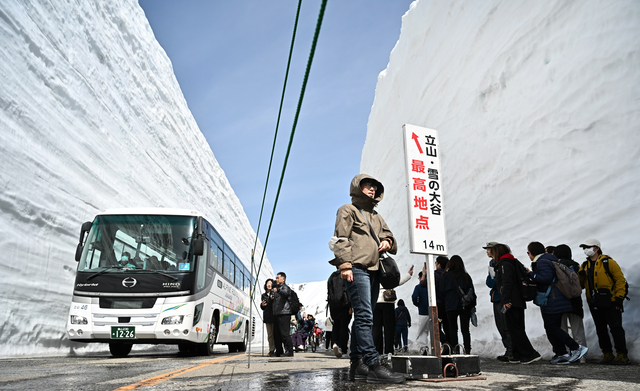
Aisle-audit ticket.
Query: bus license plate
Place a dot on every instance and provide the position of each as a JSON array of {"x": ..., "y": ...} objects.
[{"x": 123, "y": 332}]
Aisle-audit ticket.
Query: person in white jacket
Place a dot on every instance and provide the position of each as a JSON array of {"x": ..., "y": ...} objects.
[{"x": 384, "y": 318}]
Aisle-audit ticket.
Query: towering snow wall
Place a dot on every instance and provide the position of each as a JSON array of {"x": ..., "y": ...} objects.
[
  {"x": 537, "y": 105},
  {"x": 91, "y": 117}
]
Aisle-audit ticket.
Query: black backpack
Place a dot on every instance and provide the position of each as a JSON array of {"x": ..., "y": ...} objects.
[
  {"x": 294, "y": 302},
  {"x": 527, "y": 288},
  {"x": 468, "y": 298},
  {"x": 337, "y": 291}
]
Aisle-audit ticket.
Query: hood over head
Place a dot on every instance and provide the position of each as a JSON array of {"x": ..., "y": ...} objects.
[{"x": 358, "y": 198}]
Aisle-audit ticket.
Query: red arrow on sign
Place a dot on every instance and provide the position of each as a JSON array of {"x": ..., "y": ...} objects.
[{"x": 415, "y": 138}]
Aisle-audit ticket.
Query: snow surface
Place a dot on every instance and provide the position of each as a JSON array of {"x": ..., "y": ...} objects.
[
  {"x": 537, "y": 109},
  {"x": 92, "y": 117}
]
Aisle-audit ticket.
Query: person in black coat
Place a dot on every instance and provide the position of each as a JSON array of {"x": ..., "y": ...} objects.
[
  {"x": 267, "y": 315},
  {"x": 456, "y": 276},
  {"x": 282, "y": 312},
  {"x": 513, "y": 304},
  {"x": 403, "y": 322},
  {"x": 575, "y": 317}
]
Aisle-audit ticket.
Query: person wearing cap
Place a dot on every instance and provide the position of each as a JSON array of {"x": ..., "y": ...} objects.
[
  {"x": 605, "y": 294},
  {"x": 498, "y": 316}
]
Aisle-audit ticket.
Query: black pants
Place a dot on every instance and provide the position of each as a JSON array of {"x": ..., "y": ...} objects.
[
  {"x": 465, "y": 319},
  {"x": 340, "y": 334},
  {"x": 281, "y": 334},
  {"x": 444, "y": 325},
  {"x": 327, "y": 339},
  {"x": 611, "y": 318},
  {"x": 384, "y": 327},
  {"x": 522, "y": 348},
  {"x": 556, "y": 335}
]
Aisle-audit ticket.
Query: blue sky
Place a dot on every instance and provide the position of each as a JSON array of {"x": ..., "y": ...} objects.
[{"x": 230, "y": 59}]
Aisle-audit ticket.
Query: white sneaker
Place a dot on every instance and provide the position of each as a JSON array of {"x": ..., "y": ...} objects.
[
  {"x": 577, "y": 354},
  {"x": 337, "y": 351}
]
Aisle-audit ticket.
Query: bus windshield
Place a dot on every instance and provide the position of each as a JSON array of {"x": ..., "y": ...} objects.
[{"x": 118, "y": 243}]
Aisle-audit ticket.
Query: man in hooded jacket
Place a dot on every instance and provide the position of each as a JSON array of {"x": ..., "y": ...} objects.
[{"x": 357, "y": 258}]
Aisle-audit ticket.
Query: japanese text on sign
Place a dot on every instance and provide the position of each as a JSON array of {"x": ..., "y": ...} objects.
[{"x": 426, "y": 213}]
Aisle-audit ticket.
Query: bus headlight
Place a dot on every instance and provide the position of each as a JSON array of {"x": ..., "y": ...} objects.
[
  {"x": 176, "y": 319},
  {"x": 75, "y": 319}
]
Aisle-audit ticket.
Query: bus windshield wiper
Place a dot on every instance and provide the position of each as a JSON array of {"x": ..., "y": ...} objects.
[
  {"x": 163, "y": 273},
  {"x": 104, "y": 271}
]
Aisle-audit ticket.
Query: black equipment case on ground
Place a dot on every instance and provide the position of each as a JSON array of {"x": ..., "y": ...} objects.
[{"x": 431, "y": 367}]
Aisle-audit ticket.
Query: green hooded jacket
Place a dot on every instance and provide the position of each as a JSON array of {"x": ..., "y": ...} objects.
[{"x": 357, "y": 246}]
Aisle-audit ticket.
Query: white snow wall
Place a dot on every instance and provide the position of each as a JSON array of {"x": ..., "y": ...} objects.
[
  {"x": 537, "y": 105},
  {"x": 91, "y": 117}
]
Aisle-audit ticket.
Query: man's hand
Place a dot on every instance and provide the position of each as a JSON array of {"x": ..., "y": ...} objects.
[
  {"x": 347, "y": 274},
  {"x": 384, "y": 246},
  {"x": 411, "y": 270}
]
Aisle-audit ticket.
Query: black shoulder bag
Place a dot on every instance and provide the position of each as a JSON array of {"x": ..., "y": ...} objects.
[{"x": 388, "y": 272}]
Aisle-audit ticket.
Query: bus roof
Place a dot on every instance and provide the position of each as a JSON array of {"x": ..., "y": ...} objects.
[{"x": 151, "y": 211}]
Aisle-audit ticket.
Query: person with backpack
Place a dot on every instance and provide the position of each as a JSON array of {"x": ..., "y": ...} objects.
[
  {"x": 358, "y": 253},
  {"x": 340, "y": 310},
  {"x": 402, "y": 322},
  {"x": 544, "y": 275},
  {"x": 498, "y": 316},
  {"x": 509, "y": 272},
  {"x": 455, "y": 286},
  {"x": 575, "y": 317},
  {"x": 606, "y": 289},
  {"x": 282, "y": 311}
]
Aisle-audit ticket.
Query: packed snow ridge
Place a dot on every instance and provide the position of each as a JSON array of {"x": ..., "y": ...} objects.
[
  {"x": 92, "y": 118},
  {"x": 536, "y": 107}
]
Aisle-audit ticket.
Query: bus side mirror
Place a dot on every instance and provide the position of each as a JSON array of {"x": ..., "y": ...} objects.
[
  {"x": 198, "y": 247},
  {"x": 79, "y": 251},
  {"x": 83, "y": 231}
]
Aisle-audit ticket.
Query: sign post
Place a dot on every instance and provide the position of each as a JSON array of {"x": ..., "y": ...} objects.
[{"x": 426, "y": 212}]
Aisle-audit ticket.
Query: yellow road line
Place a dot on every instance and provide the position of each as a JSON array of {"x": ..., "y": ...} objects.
[{"x": 166, "y": 376}]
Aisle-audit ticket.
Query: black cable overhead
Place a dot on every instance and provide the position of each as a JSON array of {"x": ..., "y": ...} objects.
[{"x": 293, "y": 130}]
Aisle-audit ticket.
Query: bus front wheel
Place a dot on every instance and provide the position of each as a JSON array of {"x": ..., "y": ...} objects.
[
  {"x": 207, "y": 348},
  {"x": 120, "y": 349}
]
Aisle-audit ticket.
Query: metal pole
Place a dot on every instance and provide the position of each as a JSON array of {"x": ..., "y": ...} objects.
[
  {"x": 433, "y": 308},
  {"x": 249, "y": 332}
]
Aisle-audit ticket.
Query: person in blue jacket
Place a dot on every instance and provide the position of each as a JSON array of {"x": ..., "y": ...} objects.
[
  {"x": 499, "y": 316},
  {"x": 544, "y": 274},
  {"x": 420, "y": 299}
]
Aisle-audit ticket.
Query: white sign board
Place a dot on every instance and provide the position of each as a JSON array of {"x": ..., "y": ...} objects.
[{"x": 424, "y": 188}]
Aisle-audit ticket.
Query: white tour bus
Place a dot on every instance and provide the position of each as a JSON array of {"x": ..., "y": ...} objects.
[{"x": 158, "y": 276}]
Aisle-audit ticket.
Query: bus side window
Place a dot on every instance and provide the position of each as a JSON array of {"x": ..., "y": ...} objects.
[
  {"x": 228, "y": 268},
  {"x": 215, "y": 259},
  {"x": 239, "y": 280}
]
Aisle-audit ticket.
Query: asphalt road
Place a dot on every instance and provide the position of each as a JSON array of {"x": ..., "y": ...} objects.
[{"x": 167, "y": 370}]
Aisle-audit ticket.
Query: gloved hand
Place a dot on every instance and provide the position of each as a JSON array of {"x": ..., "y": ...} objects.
[
  {"x": 492, "y": 272},
  {"x": 582, "y": 273},
  {"x": 618, "y": 302}
]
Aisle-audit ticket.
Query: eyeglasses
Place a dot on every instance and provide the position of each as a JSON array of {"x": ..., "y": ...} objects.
[{"x": 370, "y": 186}]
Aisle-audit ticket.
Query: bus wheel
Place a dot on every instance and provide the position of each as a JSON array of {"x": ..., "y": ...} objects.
[
  {"x": 207, "y": 348},
  {"x": 242, "y": 346},
  {"x": 120, "y": 349}
]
